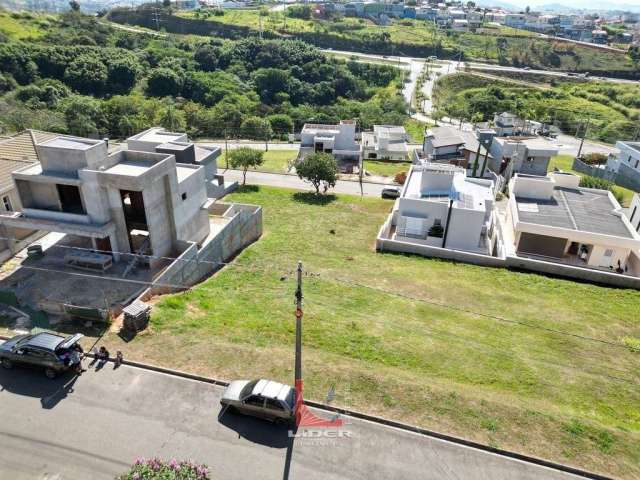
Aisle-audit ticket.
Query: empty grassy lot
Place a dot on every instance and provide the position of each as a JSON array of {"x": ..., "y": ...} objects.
[
  {"x": 274, "y": 160},
  {"x": 472, "y": 351}
]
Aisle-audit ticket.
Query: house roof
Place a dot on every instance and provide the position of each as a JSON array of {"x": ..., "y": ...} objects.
[
  {"x": 575, "y": 209},
  {"x": 19, "y": 151}
]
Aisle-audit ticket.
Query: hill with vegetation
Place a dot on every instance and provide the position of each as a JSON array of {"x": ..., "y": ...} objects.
[
  {"x": 611, "y": 110},
  {"x": 404, "y": 37},
  {"x": 75, "y": 74}
]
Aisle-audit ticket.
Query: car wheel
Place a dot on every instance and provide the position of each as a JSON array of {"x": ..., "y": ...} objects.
[
  {"x": 6, "y": 363},
  {"x": 50, "y": 373}
]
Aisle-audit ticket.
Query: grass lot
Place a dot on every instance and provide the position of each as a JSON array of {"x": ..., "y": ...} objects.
[
  {"x": 385, "y": 169},
  {"x": 415, "y": 130},
  {"x": 565, "y": 162},
  {"x": 515, "y": 383},
  {"x": 274, "y": 160}
]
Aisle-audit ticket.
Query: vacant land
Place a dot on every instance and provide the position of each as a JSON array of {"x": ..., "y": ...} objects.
[
  {"x": 277, "y": 161},
  {"x": 24, "y": 25},
  {"x": 516, "y": 360},
  {"x": 385, "y": 169}
]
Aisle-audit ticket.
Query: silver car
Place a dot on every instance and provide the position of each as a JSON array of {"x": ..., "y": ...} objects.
[{"x": 261, "y": 398}]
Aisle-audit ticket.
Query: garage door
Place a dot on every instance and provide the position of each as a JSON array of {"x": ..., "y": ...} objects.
[{"x": 542, "y": 245}]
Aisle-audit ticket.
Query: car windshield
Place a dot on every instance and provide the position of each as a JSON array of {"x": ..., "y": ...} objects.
[{"x": 248, "y": 388}]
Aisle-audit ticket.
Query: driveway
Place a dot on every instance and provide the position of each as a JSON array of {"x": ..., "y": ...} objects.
[
  {"x": 96, "y": 425},
  {"x": 292, "y": 181}
]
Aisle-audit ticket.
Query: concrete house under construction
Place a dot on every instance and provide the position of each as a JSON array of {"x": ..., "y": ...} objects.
[{"x": 142, "y": 213}]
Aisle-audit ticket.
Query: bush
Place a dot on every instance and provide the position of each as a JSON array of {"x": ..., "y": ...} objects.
[
  {"x": 400, "y": 177},
  {"x": 156, "y": 469},
  {"x": 602, "y": 184},
  {"x": 595, "y": 158}
]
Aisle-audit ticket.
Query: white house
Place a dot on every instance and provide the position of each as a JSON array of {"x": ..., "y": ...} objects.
[
  {"x": 388, "y": 142},
  {"x": 460, "y": 25},
  {"x": 441, "y": 207},
  {"x": 337, "y": 139},
  {"x": 555, "y": 220},
  {"x": 633, "y": 212},
  {"x": 629, "y": 156},
  {"x": 515, "y": 20},
  {"x": 506, "y": 124},
  {"x": 530, "y": 155}
]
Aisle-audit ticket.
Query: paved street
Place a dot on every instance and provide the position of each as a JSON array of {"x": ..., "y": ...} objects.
[
  {"x": 292, "y": 181},
  {"x": 96, "y": 425}
]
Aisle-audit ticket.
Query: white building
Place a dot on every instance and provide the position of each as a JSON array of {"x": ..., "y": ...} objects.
[
  {"x": 452, "y": 145},
  {"x": 475, "y": 18},
  {"x": 386, "y": 142},
  {"x": 529, "y": 155},
  {"x": 441, "y": 207},
  {"x": 515, "y": 20},
  {"x": 460, "y": 25},
  {"x": 339, "y": 140},
  {"x": 555, "y": 220},
  {"x": 633, "y": 212},
  {"x": 506, "y": 124},
  {"x": 629, "y": 156}
]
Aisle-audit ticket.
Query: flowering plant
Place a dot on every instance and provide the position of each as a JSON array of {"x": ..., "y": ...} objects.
[{"x": 156, "y": 469}]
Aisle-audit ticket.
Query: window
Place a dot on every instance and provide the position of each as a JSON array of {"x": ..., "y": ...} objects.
[
  {"x": 633, "y": 214},
  {"x": 273, "y": 404},
  {"x": 255, "y": 400},
  {"x": 637, "y": 163},
  {"x": 184, "y": 196},
  {"x": 7, "y": 203}
]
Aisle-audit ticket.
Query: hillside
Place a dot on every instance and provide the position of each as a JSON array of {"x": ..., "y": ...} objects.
[{"x": 405, "y": 37}]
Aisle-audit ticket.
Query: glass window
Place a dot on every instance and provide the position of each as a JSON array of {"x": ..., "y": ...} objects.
[
  {"x": 255, "y": 400},
  {"x": 274, "y": 405},
  {"x": 7, "y": 203}
]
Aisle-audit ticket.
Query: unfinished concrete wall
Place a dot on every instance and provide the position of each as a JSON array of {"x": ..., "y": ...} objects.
[
  {"x": 158, "y": 209},
  {"x": 192, "y": 221},
  {"x": 244, "y": 228}
]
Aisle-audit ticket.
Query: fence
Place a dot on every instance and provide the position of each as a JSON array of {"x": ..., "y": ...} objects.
[{"x": 625, "y": 177}]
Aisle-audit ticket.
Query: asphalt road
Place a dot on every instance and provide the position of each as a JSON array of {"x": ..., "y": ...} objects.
[
  {"x": 95, "y": 425},
  {"x": 292, "y": 181}
]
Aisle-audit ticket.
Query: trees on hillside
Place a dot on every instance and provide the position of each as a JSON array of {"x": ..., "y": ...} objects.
[
  {"x": 320, "y": 169},
  {"x": 256, "y": 128}
]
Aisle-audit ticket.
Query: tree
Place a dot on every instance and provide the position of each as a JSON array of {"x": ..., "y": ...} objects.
[
  {"x": 281, "y": 123},
  {"x": 207, "y": 57},
  {"x": 243, "y": 158},
  {"x": 75, "y": 5},
  {"x": 173, "y": 119},
  {"x": 163, "y": 82},
  {"x": 87, "y": 74},
  {"x": 320, "y": 169},
  {"x": 256, "y": 128}
]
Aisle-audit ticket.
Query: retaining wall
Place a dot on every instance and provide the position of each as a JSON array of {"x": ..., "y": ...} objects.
[
  {"x": 243, "y": 228},
  {"x": 570, "y": 271},
  {"x": 384, "y": 243}
]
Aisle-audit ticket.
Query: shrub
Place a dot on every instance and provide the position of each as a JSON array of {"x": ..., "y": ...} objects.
[
  {"x": 595, "y": 158},
  {"x": 595, "y": 182},
  {"x": 400, "y": 177},
  {"x": 156, "y": 469}
]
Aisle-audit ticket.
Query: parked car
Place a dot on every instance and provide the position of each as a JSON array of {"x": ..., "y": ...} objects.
[
  {"x": 390, "y": 192},
  {"x": 261, "y": 398},
  {"x": 53, "y": 353}
]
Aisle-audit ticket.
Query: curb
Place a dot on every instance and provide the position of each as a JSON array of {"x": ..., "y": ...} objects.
[{"x": 381, "y": 421}]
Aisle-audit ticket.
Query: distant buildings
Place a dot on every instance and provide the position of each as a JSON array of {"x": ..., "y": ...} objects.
[
  {"x": 338, "y": 140},
  {"x": 528, "y": 155}
]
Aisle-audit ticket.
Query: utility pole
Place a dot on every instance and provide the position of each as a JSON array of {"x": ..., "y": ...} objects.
[
  {"x": 584, "y": 134},
  {"x": 298, "y": 361},
  {"x": 226, "y": 149}
]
